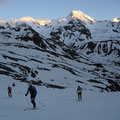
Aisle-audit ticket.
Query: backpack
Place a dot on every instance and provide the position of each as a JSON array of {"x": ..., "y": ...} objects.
[{"x": 79, "y": 89}]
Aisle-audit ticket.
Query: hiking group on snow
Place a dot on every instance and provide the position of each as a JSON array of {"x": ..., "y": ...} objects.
[{"x": 33, "y": 92}]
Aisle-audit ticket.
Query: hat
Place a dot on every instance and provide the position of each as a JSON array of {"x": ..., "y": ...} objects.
[{"x": 30, "y": 83}]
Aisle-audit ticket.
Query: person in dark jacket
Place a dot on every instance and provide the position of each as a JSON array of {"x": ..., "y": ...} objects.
[
  {"x": 9, "y": 91},
  {"x": 33, "y": 93},
  {"x": 79, "y": 91}
]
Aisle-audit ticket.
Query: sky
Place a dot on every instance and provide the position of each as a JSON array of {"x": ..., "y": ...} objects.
[{"x": 54, "y": 9}]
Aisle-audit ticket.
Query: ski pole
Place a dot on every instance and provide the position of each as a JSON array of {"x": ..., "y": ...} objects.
[
  {"x": 41, "y": 103},
  {"x": 27, "y": 102}
]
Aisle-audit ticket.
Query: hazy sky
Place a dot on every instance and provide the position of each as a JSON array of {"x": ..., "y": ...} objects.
[{"x": 52, "y": 9}]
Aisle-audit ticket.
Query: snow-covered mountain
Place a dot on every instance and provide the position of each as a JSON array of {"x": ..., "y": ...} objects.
[{"x": 61, "y": 53}]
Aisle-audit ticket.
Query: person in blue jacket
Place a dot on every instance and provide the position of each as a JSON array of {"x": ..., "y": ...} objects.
[{"x": 33, "y": 92}]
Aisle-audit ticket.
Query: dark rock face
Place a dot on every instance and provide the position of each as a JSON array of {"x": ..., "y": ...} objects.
[
  {"x": 102, "y": 47},
  {"x": 69, "y": 30}
]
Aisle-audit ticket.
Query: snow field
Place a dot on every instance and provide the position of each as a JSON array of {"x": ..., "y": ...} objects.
[{"x": 59, "y": 104}]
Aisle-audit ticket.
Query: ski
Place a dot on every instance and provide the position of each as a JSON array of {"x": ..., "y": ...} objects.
[
  {"x": 79, "y": 99},
  {"x": 25, "y": 109}
]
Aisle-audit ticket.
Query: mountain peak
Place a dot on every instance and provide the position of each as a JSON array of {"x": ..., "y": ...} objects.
[
  {"x": 116, "y": 19},
  {"x": 80, "y": 15},
  {"x": 28, "y": 18},
  {"x": 43, "y": 21},
  {"x": 1, "y": 21}
]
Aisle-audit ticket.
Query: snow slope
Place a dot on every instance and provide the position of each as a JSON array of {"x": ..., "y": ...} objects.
[
  {"x": 59, "y": 104},
  {"x": 59, "y": 55}
]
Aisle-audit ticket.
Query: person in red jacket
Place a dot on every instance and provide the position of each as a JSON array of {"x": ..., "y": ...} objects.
[{"x": 9, "y": 91}]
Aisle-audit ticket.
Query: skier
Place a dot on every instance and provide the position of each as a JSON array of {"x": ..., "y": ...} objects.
[
  {"x": 9, "y": 91},
  {"x": 33, "y": 94},
  {"x": 79, "y": 91}
]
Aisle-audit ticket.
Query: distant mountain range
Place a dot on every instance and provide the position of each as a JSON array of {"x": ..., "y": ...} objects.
[{"x": 61, "y": 53}]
